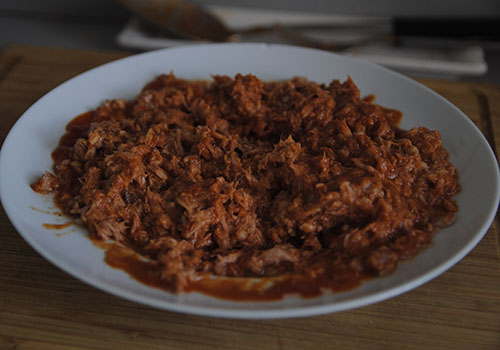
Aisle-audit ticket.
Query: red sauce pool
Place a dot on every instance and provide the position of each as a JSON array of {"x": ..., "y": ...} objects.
[
  {"x": 227, "y": 288},
  {"x": 77, "y": 128}
]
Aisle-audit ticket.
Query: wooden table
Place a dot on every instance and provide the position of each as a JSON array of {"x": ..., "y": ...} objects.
[{"x": 42, "y": 307}]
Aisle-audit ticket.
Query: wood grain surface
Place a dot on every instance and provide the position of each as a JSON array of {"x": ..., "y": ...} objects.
[{"x": 42, "y": 307}]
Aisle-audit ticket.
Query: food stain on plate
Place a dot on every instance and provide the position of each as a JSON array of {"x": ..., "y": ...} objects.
[
  {"x": 54, "y": 226},
  {"x": 55, "y": 213},
  {"x": 57, "y": 227}
]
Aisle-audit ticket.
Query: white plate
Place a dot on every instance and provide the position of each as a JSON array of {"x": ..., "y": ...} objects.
[{"x": 26, "y": 155}]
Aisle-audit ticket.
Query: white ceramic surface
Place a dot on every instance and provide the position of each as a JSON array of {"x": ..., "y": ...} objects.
[{"x": 26, "y": 155}]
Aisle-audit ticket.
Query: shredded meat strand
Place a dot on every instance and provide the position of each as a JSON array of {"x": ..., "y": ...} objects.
[
  {"x": 239, "y": 177},
  {"x": 48, "y": 183}
]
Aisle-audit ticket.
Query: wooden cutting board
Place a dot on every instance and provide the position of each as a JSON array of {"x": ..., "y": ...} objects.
[{"x": 42, "y": 307}]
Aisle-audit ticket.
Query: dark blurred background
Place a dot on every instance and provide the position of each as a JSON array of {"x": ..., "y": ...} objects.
[{"x": 95, "y": 24}]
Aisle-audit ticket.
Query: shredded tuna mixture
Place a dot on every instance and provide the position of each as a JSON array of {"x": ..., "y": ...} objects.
[{"x": 239, "y": 177}]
